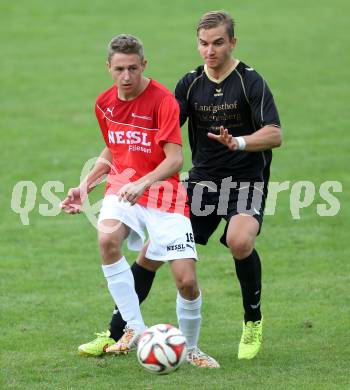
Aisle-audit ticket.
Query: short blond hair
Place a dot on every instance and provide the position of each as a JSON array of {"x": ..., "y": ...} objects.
[
  {"x": 125, "y": 43},
  {"x": 214, "y": 19}
]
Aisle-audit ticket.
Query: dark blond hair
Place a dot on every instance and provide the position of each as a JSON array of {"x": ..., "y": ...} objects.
[
  {"x": 126, "y": 44},
  {"x": 214, "y": 19}
]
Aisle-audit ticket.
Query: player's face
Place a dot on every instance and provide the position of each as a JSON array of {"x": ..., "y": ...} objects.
[
  {"x": 126, "y": 71},
  {"x": 215, "y": 47}
]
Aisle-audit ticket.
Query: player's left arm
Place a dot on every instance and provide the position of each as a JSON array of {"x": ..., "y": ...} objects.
[
  {"x": 172, "y": 164},
  {"x": 268, "y": 137},
  {"x": 268, "y": 134}
]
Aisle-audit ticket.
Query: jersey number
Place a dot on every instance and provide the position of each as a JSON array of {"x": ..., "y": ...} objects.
[{"x": 189, "y": 237}]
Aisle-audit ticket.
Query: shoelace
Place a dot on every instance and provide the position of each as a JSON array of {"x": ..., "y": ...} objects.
[
  {"x": 102, "y": 334},
  {"x": 250, "y": 333},
  {"x": 128, "y": 335},
  {"x": 248, "y": 336},
  {"x": 196, "y": 353},
  {"x": 99, "y": 336}
]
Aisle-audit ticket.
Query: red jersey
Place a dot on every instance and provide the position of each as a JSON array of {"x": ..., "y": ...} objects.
[{"x": 135, "y": 132}]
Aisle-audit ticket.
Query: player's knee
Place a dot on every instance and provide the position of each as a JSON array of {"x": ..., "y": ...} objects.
[
  {"x": 109, "y": 249},
  {"x": 241, "y": 246},
  {"x": 187, "y": 287}
]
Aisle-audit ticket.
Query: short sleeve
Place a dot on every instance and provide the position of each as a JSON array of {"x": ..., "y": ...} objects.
[
  {"x": 100, "y": 116},
  {"x": 262, "y": 104},
  {"x": 168, "y": 122},
  {"x": 181, "y": 97}
]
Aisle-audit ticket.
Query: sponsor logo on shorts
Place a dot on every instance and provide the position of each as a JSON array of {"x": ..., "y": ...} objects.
[
  {"x": 190, "y": 246},
  {"x": 177, "y": 247}
]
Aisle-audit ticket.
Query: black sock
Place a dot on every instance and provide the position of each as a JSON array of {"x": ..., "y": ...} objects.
[
  {"x": 143, "y": 283},
  {"x": 248, "y": 271}
]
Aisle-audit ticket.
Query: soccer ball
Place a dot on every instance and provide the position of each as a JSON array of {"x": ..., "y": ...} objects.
[{"x": 161, "y": 349}]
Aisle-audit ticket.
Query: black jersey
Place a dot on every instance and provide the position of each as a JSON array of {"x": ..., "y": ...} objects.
[{"x": 242, "y": 103}]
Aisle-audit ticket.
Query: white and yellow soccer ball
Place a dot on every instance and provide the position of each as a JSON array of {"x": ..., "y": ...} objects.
[{"x": 161, "y": 349}]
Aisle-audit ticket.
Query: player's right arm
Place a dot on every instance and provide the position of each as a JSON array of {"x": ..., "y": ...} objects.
[
  {"x": 76, "y": 196},
  {"x": 181, "y": 97}
]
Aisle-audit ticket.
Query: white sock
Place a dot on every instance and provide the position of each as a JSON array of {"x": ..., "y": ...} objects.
[
  {"x": 121, "y": 285},
  {"x": 189, "y": 318}
]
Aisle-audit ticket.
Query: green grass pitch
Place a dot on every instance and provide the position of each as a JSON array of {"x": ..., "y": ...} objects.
[{"x": 53, "y": 294}]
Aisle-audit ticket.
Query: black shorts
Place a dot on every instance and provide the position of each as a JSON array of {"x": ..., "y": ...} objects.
[{"x": 211, "y": 201}]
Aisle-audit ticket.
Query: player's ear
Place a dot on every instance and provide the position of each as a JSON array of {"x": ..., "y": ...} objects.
[
  {"x": 233, "y": 42},
  {"x": 144, "y": 64},
  {"x": 108, "y": 66},
  {"x": 198, "y": 43}
]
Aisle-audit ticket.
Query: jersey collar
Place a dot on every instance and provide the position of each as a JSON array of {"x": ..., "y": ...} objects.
[{"x": 224, "y": 76}]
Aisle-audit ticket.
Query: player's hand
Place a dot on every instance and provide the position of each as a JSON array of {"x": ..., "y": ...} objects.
[
  {"x": 73, "y": 202},
  {"x": 131, "y": 192},
  {"x": 225, "y": 138}
]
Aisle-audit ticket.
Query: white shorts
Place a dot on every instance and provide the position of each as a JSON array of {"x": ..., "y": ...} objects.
[{"x": 170, "y": 234}]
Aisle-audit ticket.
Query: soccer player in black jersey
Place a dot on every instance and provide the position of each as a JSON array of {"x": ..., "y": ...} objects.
[{"x": 233, "y": 124}]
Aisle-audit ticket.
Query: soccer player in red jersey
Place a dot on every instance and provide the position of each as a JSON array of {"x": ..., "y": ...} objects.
[
  {"x": 139, "y": 120},
  {"x": 233, "y": 125}
]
